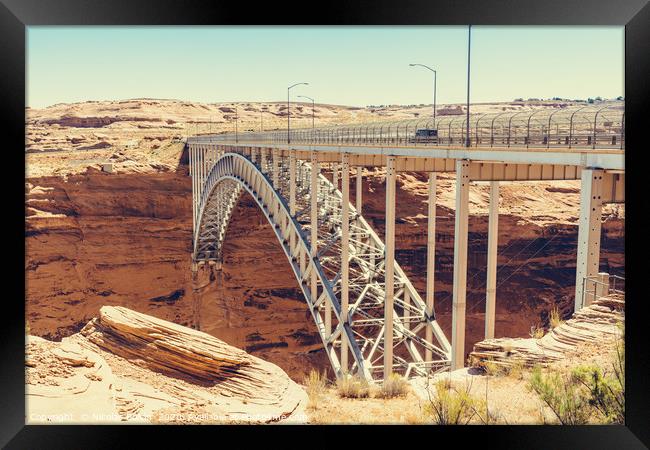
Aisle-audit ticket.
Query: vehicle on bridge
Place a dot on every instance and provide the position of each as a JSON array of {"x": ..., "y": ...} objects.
[{"x": 425, "y": 135}]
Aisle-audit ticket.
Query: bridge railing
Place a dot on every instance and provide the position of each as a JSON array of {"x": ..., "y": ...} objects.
[{"x": 592, "y": 126}]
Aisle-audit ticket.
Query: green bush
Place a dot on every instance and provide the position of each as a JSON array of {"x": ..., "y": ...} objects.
[
  {"x": 452, "y": 406},
  {"x": 607, "y": 390},
  {"x": 564, "y": 395}
]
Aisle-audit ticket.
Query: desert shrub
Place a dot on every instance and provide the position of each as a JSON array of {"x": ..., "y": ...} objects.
[
  {"x": 451, "y": 405},
  {"x": 607, "y": 390},
  {"x": 394, "y": 386},
  {"x": 564, "y": 395},
  {"x": 352, "y": 387},
  {"x": 555, "y": 318},
  {"x": 316, "y": 384}
]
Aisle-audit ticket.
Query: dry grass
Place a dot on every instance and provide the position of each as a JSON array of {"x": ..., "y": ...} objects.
[
  {"x": 394, "y": 386},
  {"x": 555, "y": 319},
  {"x": 536, "y": 332},
  {"x": 333, "y": 409},
  {"x": 352, "y": 387},
  {"x": 316, "y": 385},
  {"x": 501, "y": 399}
]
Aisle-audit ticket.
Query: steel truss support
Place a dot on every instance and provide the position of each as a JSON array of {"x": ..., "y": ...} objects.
[
  {"x": 589, "y": 230},
  {"x": 315, "y": 172},
  {"x": 276, "y": 175},
  {"x": 460, "y": 265},
  {"x": 492, "y": 250},
  {"x": 347, "y": 260}
]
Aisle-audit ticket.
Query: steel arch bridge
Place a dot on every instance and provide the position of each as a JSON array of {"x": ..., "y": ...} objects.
[
  {"x": 364, "y": 307},
  {"x": 356, "y": 343}
]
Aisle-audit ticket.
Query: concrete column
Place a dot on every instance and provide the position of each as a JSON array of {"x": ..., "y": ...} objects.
[
  {"x": 431, "y": 259},
  {"x": 345, "y": 253},
  {"x": 589, "y": 229},
  {"x": 192, "y": 178},
  {"x": 389, "y": 262},
  {"x": 335, "y": 175},
  {"x": 358, "y": 200},
  {"x": 460, "y": 265},
  {"x": 492, "y": 251}
]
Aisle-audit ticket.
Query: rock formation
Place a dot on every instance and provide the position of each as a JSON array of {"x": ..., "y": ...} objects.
[
  {"x": 597, "y": 322},
  {"x": 128, "y": 366}
]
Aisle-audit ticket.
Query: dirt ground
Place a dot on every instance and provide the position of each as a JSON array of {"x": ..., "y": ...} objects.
[{"x": 508, "y": 396}]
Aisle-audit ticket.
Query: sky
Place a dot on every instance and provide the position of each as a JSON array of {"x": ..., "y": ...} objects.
[{"x": 357, "y": 66}]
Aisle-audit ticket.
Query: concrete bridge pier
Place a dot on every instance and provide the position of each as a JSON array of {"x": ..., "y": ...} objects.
[
  {"x": 359, "y": 190},
  {"x": 493, "y": 245},
  {"x": 460, "y": 265},
  {"x": 589, "y": 229},
  {"x": 431, "y": 258},
  {"x": 389, "y": 263}
]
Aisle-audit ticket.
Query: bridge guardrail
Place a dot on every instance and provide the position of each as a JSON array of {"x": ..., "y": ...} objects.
[{"x": 588, "y": 127}]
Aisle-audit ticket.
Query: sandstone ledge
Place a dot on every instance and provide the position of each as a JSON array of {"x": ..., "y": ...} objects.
[{"x": 141, "y": 369}]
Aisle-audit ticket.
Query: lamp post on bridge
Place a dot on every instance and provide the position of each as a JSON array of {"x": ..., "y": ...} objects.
[
  {"x": 312, "y": 109},
  {"x": 435, "y": 76},
  {"x": 469, "y": 48},
  {"x": 289, "y": 111}
]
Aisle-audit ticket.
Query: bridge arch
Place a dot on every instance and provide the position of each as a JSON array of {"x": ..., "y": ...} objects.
[{"x": 222, "y": 184}]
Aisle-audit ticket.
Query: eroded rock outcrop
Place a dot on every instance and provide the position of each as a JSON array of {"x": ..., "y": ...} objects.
[{"x": 128, "y": 366}]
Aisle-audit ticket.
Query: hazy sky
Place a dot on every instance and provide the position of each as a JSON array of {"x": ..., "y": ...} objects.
[{"x": 344, "y": 65}]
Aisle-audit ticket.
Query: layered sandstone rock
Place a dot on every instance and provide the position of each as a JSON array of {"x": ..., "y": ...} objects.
[
  {"x": 598, "y": 322},
  {"x": 127, "y": 366}
]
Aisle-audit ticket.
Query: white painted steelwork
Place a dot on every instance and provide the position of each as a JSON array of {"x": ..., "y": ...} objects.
[{"x": 364, "y": 327}]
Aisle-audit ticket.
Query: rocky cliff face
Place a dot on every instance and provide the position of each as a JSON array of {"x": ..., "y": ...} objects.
[{"x": 97, "y": 239}]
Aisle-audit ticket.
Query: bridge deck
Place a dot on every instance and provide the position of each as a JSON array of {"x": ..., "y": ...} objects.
[{"x": 608, "y": 159}]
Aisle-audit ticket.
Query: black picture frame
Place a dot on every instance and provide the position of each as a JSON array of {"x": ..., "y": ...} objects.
[{"x": 15, "y": 15}]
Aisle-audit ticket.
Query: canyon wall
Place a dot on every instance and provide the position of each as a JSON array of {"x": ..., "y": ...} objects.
[{"x": 124, "y": 239}]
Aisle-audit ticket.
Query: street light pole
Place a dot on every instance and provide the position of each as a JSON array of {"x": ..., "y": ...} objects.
[
  {"x": 289, "y": 112},
  {"x": 312, "y": 109},
  {"x": 469, "y": 47},
  {"x": 435, "y": 76}
]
